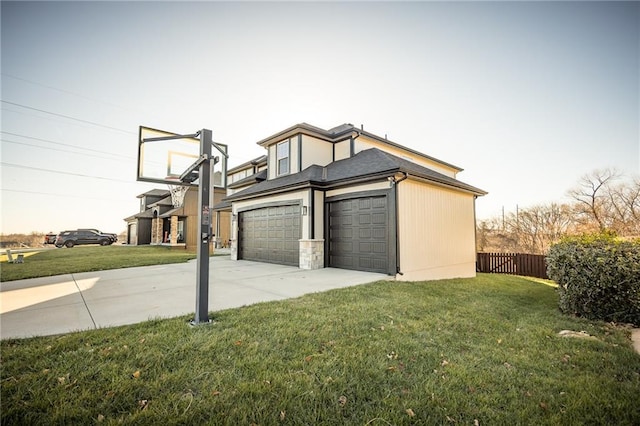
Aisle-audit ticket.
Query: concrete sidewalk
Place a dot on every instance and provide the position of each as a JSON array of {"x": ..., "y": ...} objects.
[{"x": 89, "y": 300}]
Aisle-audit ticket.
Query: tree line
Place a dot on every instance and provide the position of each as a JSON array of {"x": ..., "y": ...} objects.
[{"x": 604, "y": 200}]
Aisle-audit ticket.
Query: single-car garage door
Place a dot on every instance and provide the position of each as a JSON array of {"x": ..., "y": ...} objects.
[
  {"x": 270, "y": 234},
  {"x": 358, "y": 237}
]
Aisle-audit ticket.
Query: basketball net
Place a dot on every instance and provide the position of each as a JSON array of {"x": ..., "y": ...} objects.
[{"x": 177, "y": 194}]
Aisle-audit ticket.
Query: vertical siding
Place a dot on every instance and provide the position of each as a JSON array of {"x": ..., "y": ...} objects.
[{"x": 436, "y": 232}]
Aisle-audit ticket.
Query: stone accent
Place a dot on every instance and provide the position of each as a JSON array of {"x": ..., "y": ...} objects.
[
  {"x": 311, "y": 254},
  {"x": 174, "y": 230},
  {"x": 156, "y": 231},
  {"x": 234, "y": 249}
]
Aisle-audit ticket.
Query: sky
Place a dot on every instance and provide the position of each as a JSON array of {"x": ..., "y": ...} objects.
[{"x": 526, "y": 97}]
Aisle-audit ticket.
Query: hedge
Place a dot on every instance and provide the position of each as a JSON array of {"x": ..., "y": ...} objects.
[{"x": 598, "y": 277}]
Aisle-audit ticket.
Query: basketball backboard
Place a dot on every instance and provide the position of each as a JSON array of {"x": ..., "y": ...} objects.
[{"x": 163, "y": 160}]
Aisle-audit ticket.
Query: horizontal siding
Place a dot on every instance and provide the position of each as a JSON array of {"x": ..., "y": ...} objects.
[{"x": 436, "y": 232}]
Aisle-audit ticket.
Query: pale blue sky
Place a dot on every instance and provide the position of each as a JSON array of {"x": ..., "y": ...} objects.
[{"x": 526, "y": 97}]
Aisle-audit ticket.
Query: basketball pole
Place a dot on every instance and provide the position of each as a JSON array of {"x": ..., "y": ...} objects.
[{"x": 204, "y": 226}]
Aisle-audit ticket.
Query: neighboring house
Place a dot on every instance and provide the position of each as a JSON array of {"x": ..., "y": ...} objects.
[
  {"x": 162, "y": 221},
  {"x": 350, "y": 199}
]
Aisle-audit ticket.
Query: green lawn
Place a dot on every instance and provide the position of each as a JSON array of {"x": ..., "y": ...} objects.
[
  {"x": 52, "y": 261},
  {"x": 467, "y": 351}
]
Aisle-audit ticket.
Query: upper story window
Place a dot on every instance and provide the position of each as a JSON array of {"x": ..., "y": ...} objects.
[{"x": 282, "y": 156}]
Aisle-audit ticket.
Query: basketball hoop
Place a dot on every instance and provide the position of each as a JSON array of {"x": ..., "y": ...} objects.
[{"x": 177, "y": 192}]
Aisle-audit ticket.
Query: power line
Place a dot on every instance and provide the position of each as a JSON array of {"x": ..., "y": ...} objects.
[
  {"x": 21, "y": 166},
  {"x": 60, "y": 150},
  {"x": 63, "y": 195},
  {"x": 66, "y": 144},
  {"x": 93, "y": 123}
]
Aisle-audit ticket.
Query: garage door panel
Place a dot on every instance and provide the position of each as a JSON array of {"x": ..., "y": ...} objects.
[
  {"x": 358, "y": 237},
  {"x": 270, "y": 234}
]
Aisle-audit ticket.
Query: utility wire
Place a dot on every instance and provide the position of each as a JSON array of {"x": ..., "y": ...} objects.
[
  {"x": 20, "y": 166},
  {"x": 93, "y": 123},
  {"x": 61, "y": 150},
  {"x": 63, "y": 195},
  {"x": 66, "y": 144}
]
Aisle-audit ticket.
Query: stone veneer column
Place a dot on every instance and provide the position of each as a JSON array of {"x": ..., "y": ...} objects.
[
  {"x": 311, "y": 254},
  {"x": 174, "y": 230},
  {"x": 234, "y": 249},
  {"x": 156, "y": 230}
]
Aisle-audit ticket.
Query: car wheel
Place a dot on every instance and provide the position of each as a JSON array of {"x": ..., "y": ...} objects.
[
  {"x": 68, "y": 244},
  {"x": 104, "y": 242}
]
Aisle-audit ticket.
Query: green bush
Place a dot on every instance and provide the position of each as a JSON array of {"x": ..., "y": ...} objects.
[{"x": 598, "y": 277}]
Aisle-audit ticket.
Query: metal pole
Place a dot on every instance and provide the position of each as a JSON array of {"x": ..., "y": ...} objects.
[{"x": 204, "y": 227}]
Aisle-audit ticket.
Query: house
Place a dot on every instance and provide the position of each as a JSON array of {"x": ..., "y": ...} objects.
[
  {"x": 173, "y": 221},
  {"x": 347, "y": 198}
]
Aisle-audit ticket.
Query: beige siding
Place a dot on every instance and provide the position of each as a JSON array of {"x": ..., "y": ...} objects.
[
  {"x": 366, "y": 187},
  {"x": 271, "y": 162},
  {"x": 343, "y": 150},
  {"x": 293, "y": 155},
  {"x": 362, "y": 143},
  {"x": 315, "y": 151},
  {"x": 436, "y": 232}
]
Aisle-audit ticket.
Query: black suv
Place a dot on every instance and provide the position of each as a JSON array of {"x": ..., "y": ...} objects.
[
  {"x": 82, "y": 236},
  {"x": 112, "y": 237}
]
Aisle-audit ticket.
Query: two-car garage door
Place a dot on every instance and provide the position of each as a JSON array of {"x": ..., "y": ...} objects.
[
  {"x": 358, "y": 234},
  {"x": 270, "y": 234}
]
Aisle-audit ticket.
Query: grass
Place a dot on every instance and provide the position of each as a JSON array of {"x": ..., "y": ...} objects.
[
  {"x": 466, "y": 351},
  {"x": 51, "y": 262}
]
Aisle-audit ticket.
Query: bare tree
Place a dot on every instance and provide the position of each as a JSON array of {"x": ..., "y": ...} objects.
[
  {"x": 539, "y": 226},
  {"x": 591, "y": 198},
  {"x": 624, "y": 207}
]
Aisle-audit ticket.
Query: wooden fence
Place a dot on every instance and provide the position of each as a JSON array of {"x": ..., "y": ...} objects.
[{"x": 530, "y": 265}]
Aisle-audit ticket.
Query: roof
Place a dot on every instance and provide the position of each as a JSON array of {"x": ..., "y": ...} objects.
[
  {"x": 254, "y": 178},
  {"x": 147, "y": 214},
  {"x": 340, "y": 133},
  {"x": 256, "y": 161},
  {"x": 368, "y": 164},
  {"x": 155, "y": 193}
]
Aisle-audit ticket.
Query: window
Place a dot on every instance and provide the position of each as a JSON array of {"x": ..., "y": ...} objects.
[{"x": 282, "y": 156}]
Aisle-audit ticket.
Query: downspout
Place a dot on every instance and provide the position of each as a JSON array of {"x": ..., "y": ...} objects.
[
  {"x": 395, "y": 188},
  {"x": 352, "y": 147}
]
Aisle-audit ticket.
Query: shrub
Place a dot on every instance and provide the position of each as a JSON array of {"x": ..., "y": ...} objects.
[{"x": 598, "y": 277}]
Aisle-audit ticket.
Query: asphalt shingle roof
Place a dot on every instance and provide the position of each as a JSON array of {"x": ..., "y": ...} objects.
[{"x": 368, "y": 163}]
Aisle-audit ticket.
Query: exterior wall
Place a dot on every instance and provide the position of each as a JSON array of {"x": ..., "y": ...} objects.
[
  {"x": 272, "y": 162},
  {"x": 294, "y": 155},
  {"x": 436, "y": 235},
  {"x": 315, "y": 151},
  {"x": 342, "y": 150},
  {"x": 365, "y": 187},
  {"x": 363, "y": 143}
]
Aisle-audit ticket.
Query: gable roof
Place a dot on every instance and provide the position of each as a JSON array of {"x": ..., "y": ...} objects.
[
  {"x": 366, "y": 165},
  {"x": 340, "y": 133},
  {"x": 262, "y": 160},
  {"x": 254, "y": 178},
  {"x": 154, "y": 193}
]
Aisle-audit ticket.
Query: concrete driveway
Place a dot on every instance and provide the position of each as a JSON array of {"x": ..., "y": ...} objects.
[{"x": 89, "y": 300}]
